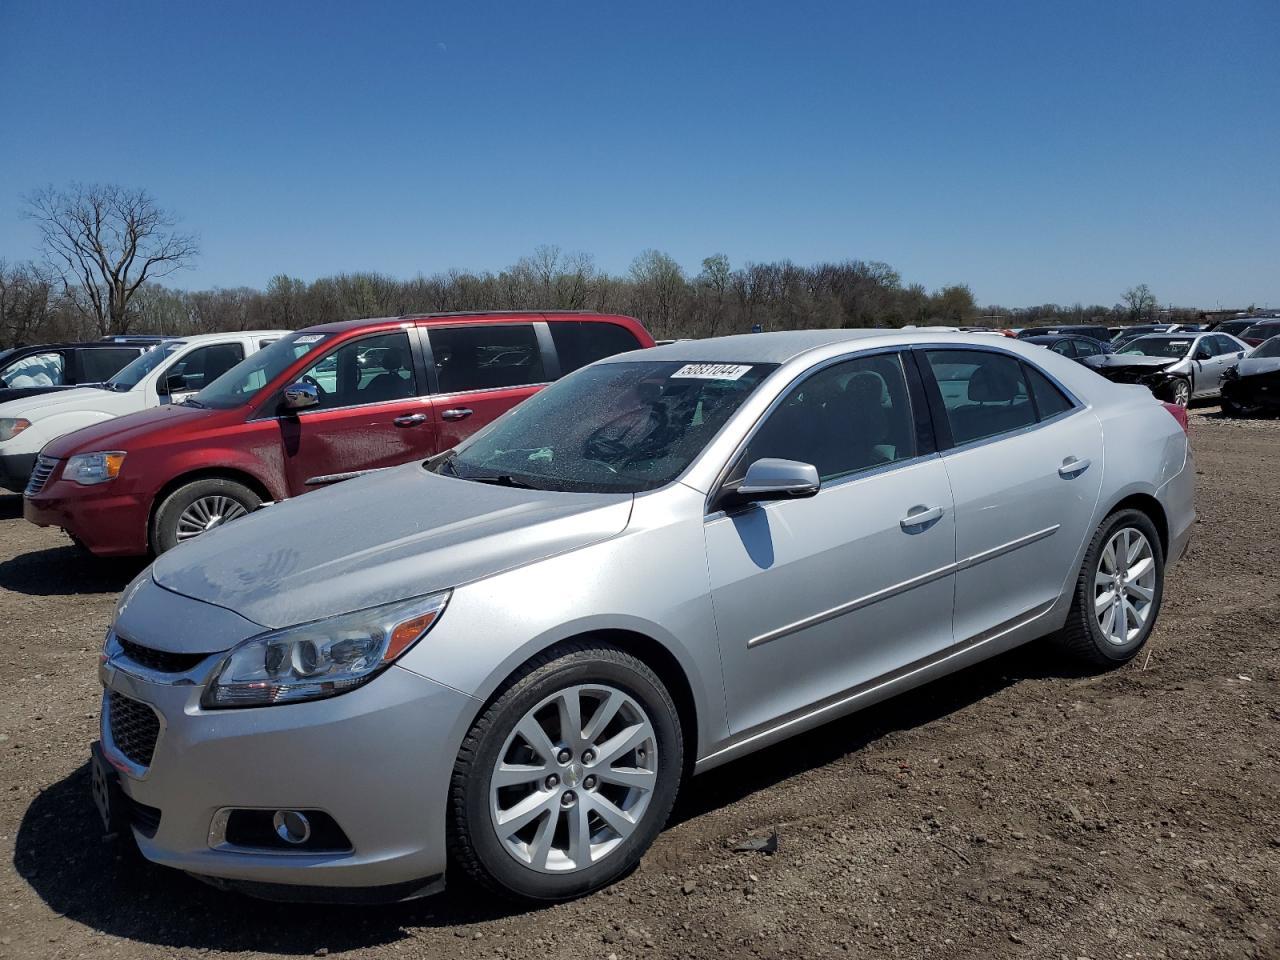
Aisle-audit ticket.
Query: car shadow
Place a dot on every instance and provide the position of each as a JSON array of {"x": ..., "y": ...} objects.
[
  {"x": 106, "y": 885},
  {"x": 10, "y": 506},
  {"x": 66, "y": 571}
]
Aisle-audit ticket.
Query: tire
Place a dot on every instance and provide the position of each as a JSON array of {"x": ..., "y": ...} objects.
[
  {"x": 541, "y": 861},
  {"x": 168, "y": 527},
  {"x": 1083, "y": 637},
  {"x": 1180, "y": 392}
]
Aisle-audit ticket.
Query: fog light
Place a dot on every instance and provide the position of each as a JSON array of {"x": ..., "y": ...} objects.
[{"x": 291, "y": 826}]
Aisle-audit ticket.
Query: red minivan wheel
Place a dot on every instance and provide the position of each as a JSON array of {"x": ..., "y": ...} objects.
[{"x": 198, "y": 507}]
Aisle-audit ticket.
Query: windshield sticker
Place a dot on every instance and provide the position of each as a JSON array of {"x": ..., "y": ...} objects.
[
  {"x": 310, "y": 338},
  {"x": 711, "y": 371}
]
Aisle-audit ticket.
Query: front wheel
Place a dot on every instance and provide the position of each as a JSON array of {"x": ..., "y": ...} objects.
[
  {"x": 1181, "y": 391},
  {"x": 196, "y": 508},
  {"x": 567, "y": 776},
  {"x": 1118, "y": 592}
]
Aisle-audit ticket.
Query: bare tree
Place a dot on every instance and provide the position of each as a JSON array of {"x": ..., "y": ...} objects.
[
  {"x": 105, "y": 242},
  {"x": 1140, "y": 301},
  {"x": 24, "y": 302}
]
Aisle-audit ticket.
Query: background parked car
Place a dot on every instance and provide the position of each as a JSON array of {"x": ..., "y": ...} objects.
[
  {"x": 319, "y": 406},
  {"x": 171, "y": 371},
  {"x": 1176, "y": 367},
  {"x": 1093, "y": 331},
  {"x": 1253, "y": 384},
  {"x": 1261, "y": 331},
  {"x": 50, "y": 367},
  {"x": 1072, "y": 347},
  {"x": 1234, "y": 327},
  {"x": 1141, "y": 330}
]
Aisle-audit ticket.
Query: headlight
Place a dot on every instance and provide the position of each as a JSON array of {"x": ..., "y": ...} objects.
[
  {"x": 10, "y": 427},
  {"x": 321, "y": 659},
  {"x": 90, "y": 468}
]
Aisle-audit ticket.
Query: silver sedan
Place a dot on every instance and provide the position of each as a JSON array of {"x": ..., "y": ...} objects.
[{"x": 505, "y": 660}]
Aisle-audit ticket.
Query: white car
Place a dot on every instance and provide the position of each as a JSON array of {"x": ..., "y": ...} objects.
[{"x": 173, "y": 370}]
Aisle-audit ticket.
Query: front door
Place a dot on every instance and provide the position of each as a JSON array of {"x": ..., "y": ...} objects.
[
  {"x": 1026, "y": 471},
  {"x": 373, "y": 413},
  {"x": 816, "y": 597},
  {"x": 482, "y": 370}
]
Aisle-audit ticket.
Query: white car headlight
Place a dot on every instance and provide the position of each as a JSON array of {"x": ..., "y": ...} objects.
[
  {"x": 87, "y": 469},
  {"x": 321, "y": 659},
  {"x": 10, "y": 427}
]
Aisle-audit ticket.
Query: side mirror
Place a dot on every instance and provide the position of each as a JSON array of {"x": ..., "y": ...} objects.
[
  {"x": 300, "y": 395},
  {"x": 174, "y": 383},
  {"x": 771, "y": 478}
]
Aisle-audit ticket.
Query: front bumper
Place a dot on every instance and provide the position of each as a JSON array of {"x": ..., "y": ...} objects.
[
  {"x": 1261, "y": 391},
  {"x": 15, "y": 470},
  {"x": 377, "y": 759},
  {"x": 108, "y": 520}
]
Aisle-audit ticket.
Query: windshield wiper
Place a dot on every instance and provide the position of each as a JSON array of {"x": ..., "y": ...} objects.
[
  {"x": 192, "y": 402},
  {"x": 499, "y": 479}
]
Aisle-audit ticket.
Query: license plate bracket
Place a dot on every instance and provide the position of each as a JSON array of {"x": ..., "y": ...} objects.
[{"x": 104, "y": 784}]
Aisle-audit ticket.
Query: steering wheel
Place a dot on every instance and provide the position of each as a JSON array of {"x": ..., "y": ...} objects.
[
  {"x": 316, "y": 383},
  {"x": 613, "y": 448}
]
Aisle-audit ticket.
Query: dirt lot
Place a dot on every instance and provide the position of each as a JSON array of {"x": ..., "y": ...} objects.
[{"x": 1014, "y": 810}]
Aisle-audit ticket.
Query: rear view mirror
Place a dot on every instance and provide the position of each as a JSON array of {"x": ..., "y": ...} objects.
[
  {"x": 771, "y": 478},
  {"x": 300, "y": 395}
]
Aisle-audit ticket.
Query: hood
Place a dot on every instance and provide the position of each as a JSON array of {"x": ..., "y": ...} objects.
[
  {"x": 1113, "y": 361},
  {"x": 380, "y": 538},
  {"x": 45, "y": 403},
  {"x": 1253, "y": 366},
  {"x": 118, "y": 433}
]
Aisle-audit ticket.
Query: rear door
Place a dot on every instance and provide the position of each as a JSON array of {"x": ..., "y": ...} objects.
[
  {"x": 374, "y": 412},
  {"x": 482, "y": 370},
  {"x": 814, "y": 598},
  {"x": 1024, "y": 459}
]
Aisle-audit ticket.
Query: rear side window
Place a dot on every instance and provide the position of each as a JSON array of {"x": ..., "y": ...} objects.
[
  {"x": 581, "y": 342},
  {"x": 1064, "y": 347},
  {"x": 1085, "y": 348},
  {"x": 98, "y": 366},
  {"x": 486, "y": 356},
  {"x": 984, "y": 393},
  {"x": 1050, "y": 401},
  {"x": 1225, "y": 346}
]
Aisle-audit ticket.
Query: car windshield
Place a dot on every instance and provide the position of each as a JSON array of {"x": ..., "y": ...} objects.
[
  {"x": 1269, "y": 348},
  {"x": 609, "y": 428},
  {"x": 242, "y": 382},
  {"x": 130, "y": 376},
  {"x": 1174, "y": 348}
]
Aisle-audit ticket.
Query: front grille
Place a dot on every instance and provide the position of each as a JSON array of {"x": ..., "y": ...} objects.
[
  {"x": 144, "y": 819},
  {"x": 162, "y": 661},
  {"x": 133, "y": 727},
  {"x": 40, "y": 475},
  {"x": 1130, "y": 374}
]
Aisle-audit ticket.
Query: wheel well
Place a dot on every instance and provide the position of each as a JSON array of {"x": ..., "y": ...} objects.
[
  {"x": 1149, "y": 505},
  {"x": 216, "y": 473}
]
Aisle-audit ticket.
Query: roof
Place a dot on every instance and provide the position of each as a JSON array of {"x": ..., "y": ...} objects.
[
  {"x": 229, "y": 335},
  {"x": 342, "y": 326}
]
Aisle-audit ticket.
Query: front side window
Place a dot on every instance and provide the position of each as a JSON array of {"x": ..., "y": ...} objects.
[
  {"x": 99, "y": 365},
  {"x": 580, "y": 342},
  {"x": 370, "y": 370},
  {"x": 984, "y": 393},
  {"x": 847, "y": 418},
  {"x": 617, "y": 427},
  {"x": 203, "y": 365},
  {"x": 36, "y": 370},
  {"x": 485, "y": 356},
  {"x": 242, "y": 382}
]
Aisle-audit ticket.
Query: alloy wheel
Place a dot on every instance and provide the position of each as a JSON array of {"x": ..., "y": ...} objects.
[
  {"x": 206, "y": 513},
  {"x": 1124, "y": 586},
  {"x": 1182, "y": 393},
  {"x": 574, "y": 778}
]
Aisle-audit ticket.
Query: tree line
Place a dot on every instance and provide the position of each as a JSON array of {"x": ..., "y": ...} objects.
[{"x": 105, "y": 249}]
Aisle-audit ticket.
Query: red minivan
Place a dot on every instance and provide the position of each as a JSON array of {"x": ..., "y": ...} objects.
[{"x": 315, "y": 407}]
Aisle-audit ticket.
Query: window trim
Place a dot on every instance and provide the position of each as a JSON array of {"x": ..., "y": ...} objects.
[
  {"x": 713, "y": 512},
  {"x": 946, "y": 441}
]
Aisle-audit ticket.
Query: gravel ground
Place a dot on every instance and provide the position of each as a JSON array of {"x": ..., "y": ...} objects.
[{"x": 1018, "y": 809}]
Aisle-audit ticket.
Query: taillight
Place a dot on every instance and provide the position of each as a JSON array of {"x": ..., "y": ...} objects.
[{"x": 1179, "y": 414}]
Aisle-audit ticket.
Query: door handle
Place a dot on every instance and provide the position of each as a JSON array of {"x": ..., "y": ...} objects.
[
  {"x": 456, "y": 413},
  {"x": 410, "y": 420},
  {"x": 1072, "y": 467},
  {"x": 919, "y": 516}
]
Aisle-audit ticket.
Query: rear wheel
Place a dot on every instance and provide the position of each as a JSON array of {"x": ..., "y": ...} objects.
[
  {"x": 568, "y": 776},
  {"x": 198, "y": 507},
  {"x": 1118, "y": 593}
]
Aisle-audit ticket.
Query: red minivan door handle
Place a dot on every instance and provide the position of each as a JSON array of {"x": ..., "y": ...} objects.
[
  {"x": 410, "y": 420},
  {"x": 456, "y": 413}
]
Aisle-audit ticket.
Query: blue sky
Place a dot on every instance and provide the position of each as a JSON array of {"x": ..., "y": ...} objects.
[{"x": 1036, "y": 151}]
